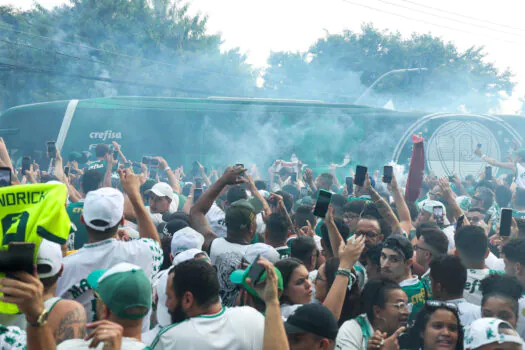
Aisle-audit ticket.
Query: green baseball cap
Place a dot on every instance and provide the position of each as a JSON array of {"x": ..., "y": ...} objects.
[
  {"x": 122, "y": 287},
  {"x": 239, "y": 215},
  {"x": 239, "y": 277}
]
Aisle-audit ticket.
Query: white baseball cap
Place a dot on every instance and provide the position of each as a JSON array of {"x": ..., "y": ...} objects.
[
  {"x": 264, "y": 250},
  {"x": 162, "y": 189},
  {"x": 490, "y": 330},
  {"x": 187, "y": 255},
  {"x": 49, "y": 259},
  {"x": 184, "y": 239},
  {"x": 106, "y": 205}
]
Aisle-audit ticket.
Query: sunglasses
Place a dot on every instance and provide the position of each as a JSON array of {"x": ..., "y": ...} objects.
[{"x": 435, "y": 304}]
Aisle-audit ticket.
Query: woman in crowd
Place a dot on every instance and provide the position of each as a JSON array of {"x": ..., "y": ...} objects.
[
  {"x": 325, "y": 278},
  {"x": 500, "y": 298},
  {"x": 386, "y": 311},
  {"x": 297, "y": 287},
  {"x": 437, "y": 326}
]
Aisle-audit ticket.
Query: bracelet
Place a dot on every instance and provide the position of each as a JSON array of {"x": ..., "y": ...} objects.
[
  {"x": 167, "y": 168},
  {"x": 347, "y": 273}
]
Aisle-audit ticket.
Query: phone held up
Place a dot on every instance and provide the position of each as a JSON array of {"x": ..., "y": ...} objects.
[
  {"x": 256, "y": 271},
  {"x": 5, "y": 176},
  {"x": 388, "y": 174},
  {"x": 323, "y": 201},
  {"x": 17, "y": 258},
  {"x": 197, "y": 191},
  {"x": 505, "y": 222},
  {"x": 51, "y": 149},
  {"x": 360, "y": 175},
  {"x": 438, "y": 215}
]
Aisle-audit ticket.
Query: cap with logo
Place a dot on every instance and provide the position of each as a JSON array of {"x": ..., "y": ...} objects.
[
  {"x": 400, "y": 244},
  {"x": 49, "y": 259},
  {"x": 239, "y": 277},
  {"x": 167, "y": 229},
  {"x": 103, "y": 208},
  {"x": 489, "y": 330},
  {"x": 184, "y": 239},
  {"x": 121, "y": 288},
  {"x": 161, "y": 189},
  {"x": 264, "y": 250},
  {"x": 312, "y": 318},
  {"x": 239, "y": 215}
]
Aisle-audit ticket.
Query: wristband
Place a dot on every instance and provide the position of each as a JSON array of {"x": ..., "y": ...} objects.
[
  {"x": 167, "y": 168},
  {"x": 347, "y": 273}
]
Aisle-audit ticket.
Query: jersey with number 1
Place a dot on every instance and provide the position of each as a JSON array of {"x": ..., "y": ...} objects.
[{"x": 29, "y": 213}]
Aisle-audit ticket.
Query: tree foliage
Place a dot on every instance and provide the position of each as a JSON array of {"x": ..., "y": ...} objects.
[
  {"x": 339, "y": 67},
  {"x": 157, "y": 45}
]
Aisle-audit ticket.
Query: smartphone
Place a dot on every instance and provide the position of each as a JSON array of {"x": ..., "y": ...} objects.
[
  {"x": 505, "y": 222},
  {"x": 66, "y": 171},
  {"x": 294, "y": 177},
  {"x": 18, "y": 257},
  {"x": 360, "y": 174},
  {"x": 438, "y": 215},
  {"x": 460, "y": 222},
  {"x": 479, "y": 145},
  {"x": 256, "y": 271},
  {"x": 198, "y": 182},
  {"x": 323, "y": 201},
  {"x": 488, "y": 173},
  {"x": 51, "y": 149},
  {"x": 197, "y": 193},
  {"x": 349, "y": 184},
  {"x": 5, "y": 176},
  {"x": 146, "y": 160},
  {"x": 154, "y": 162},
  {"x": 26, "y": 164},
  {"x": 240, "y": 165},
  {"x": 388, "y": 173},
  {"x": 304, "y": 192}
]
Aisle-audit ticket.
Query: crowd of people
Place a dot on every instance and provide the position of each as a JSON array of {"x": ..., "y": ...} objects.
[{"x": 141, "y": 255}]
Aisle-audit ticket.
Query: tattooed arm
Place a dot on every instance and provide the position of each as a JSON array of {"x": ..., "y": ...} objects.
[{"x": 68, "y": 321}]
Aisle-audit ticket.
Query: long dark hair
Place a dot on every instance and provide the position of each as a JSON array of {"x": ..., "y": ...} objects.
[
  {"x": 287, "y": 267},
  {"x": 375, "y": 293},
  {"x": 413, "y": 339},
  {"x": 352, "y": 297}
]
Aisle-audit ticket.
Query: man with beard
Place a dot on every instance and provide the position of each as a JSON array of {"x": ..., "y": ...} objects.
[
  {"x": 193, "y": 297},
  {"x": 396, "y": 264}
]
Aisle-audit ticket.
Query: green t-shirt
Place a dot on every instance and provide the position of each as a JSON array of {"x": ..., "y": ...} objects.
[
  {"x": 99, "y": 165},
  {"x": 182, "y": 201},
  {"x": 80, "y": 237},
  {"x": 425, "y": 279},
  {"x": 416, "y": 293}
]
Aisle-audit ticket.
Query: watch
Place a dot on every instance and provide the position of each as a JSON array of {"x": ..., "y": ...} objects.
[{"x": 41, "y": 320}]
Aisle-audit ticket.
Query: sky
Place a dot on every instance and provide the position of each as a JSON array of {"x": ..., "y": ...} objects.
[{"x": 259, "y": 27}]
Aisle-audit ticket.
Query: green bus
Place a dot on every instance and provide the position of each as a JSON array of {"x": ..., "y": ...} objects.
[{"x": 219, "y": 131}]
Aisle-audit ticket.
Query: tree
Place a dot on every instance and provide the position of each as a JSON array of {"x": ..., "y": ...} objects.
[
  {"x": 139, "y": 47},
  {"x": 339, "y": 67}
]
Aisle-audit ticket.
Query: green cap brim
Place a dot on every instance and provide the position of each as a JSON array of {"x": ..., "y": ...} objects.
[
  {"x": 237, "y": 276},
  {"x": 93, "y": 278}
]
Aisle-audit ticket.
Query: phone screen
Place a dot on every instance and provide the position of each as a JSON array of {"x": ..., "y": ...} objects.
[
  {"x": 5, "y": 176},
  {"x": 198, "y": 182},
  {"x": 349, "y": 184},
  {"x": 323, "y": 201},
  {"x": 146, "y": 160},
  {"x": 360, "y": 174},
  {"x": 197, "y": 193},
  {"x": 294, "y": 177},
  {"x": 66, "y": 171},
  {"x": 488, "y": 173},
  {"x": 388, "y": 171},
  {"x": 438, "y": 215},
  {"x": 304, "y": 192},
  {"x": 461, "y": 219},
  {"x": 154, "y": 162},
  {"x": 256, "y": 271},
  {"x": 51, "y": 149},
  {"x": 505, "y": 222},
  {"x": 26, "y": 164}
]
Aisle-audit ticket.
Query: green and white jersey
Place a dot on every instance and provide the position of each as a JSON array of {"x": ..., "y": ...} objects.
[
  {"x": 425, "y": 279},
  {"x": 12, "y": 338},
  {"x": 416, "y": 294},
  {"x": 81, "y": 344},
  {"x": 237, "y": 328},
  {"x": 284, "y": 252},
  {"x": 354, "y": 334},
  {"x": 80, "y": 237},
  {"x": 105, "y": 254},
  {"x": 472, "y": 291},
  {"x": 99, "y": 165}
]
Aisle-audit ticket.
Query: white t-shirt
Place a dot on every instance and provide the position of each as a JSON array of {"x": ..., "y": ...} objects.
[
  {"x": 520, "y": 175},
  {"x": 220, "y": 246},
  {"x": 145, "y": 253},
  {"x": 74, "y": 344},
  {"x": 149, "y": 336},
  {"x": 521, "y": 318},
  {"x": 237, "y": 328},
  {"x": 216, "y": 220},
  {"x": 494, "y": 263},
  {"x": 351, "y": 335},
  {"x": 449, "y": 231},
  {"x": 468, "y": 312},
  {"x": 472, "y": 291}
]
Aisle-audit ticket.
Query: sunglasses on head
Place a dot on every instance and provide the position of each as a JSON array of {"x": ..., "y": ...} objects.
[{"x": 435, "y": 304}]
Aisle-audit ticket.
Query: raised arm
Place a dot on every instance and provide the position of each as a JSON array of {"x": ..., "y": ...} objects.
[
  {"x": 383, "y": 207},
  {"x": 335, "y": 236},
  {"x": 131, "y": 185},
  {"x": 405, "y": 221},
  {"x": 450, "y": 197},
  {"x": 256, "y": 194},
  {"x": 172, "y": 179},
  {"x": 198, "y": 212},
  {"x": 205, "y": 178},
  {"x": 494, "y": 162},
  {"x": 5, "y": 161},
  {"x": 348, "y": 255}
]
